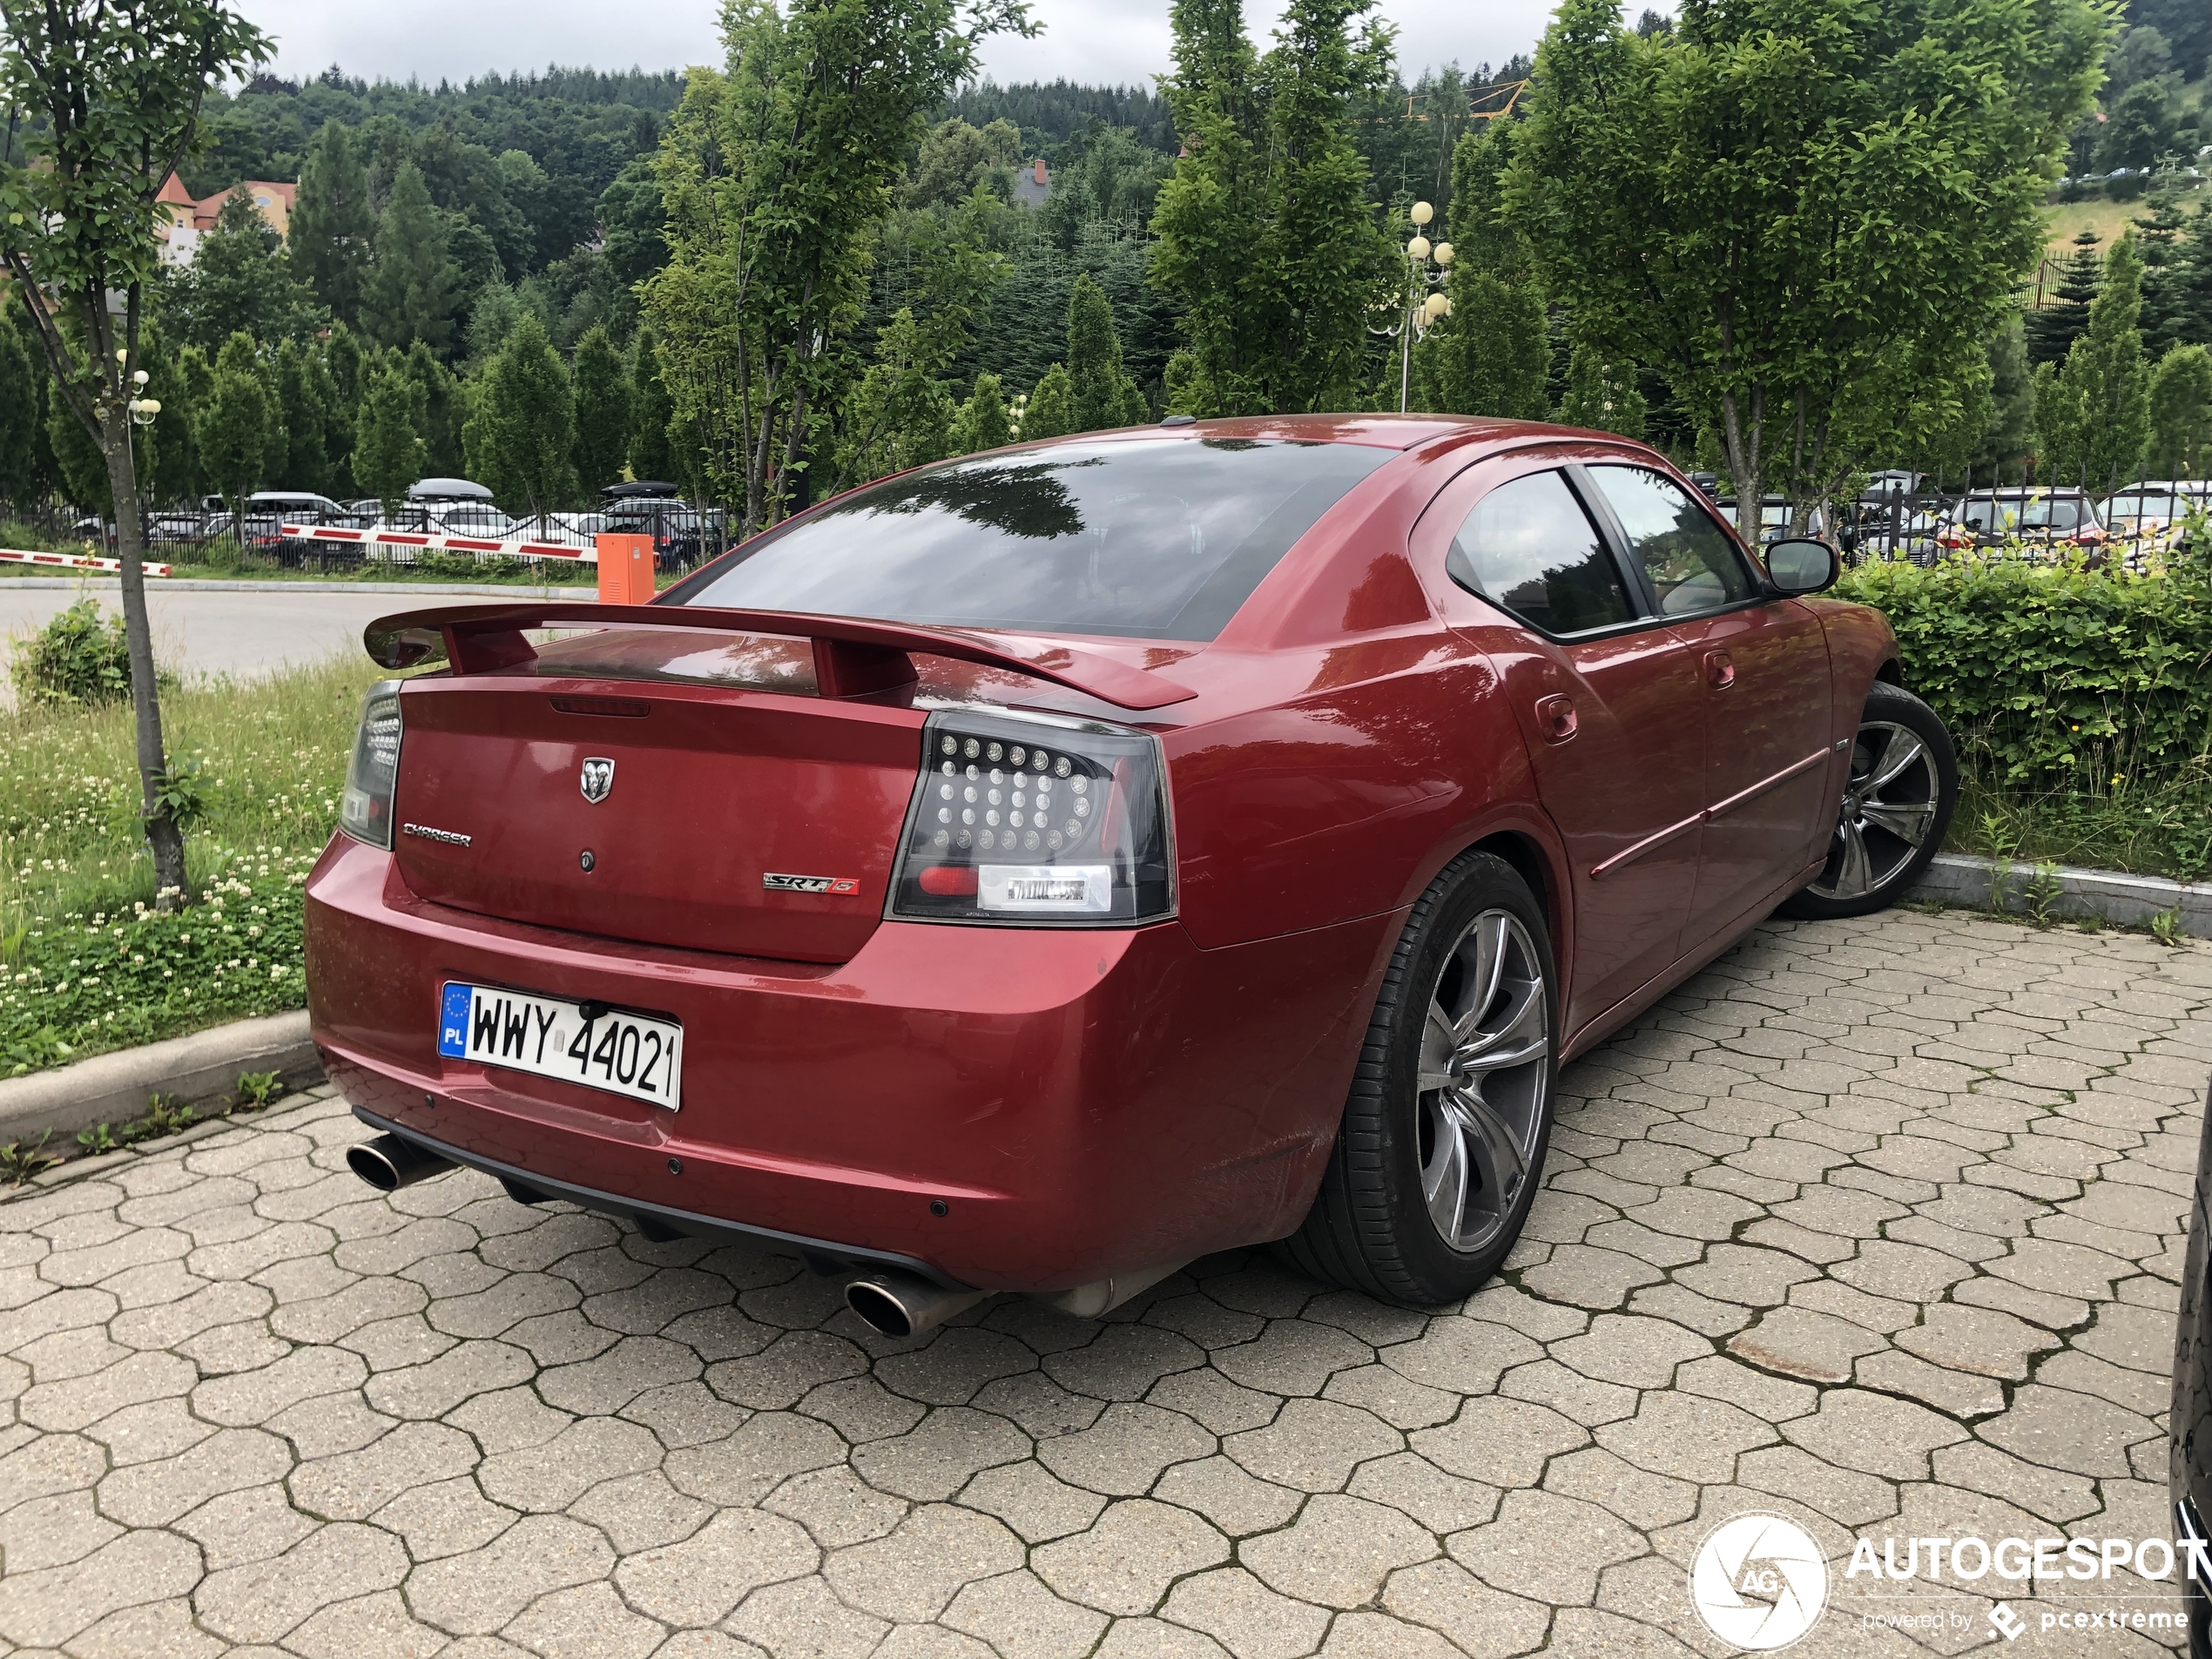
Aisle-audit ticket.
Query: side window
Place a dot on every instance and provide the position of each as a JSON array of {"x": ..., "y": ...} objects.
[
  {"x": 1690, "y": 562},
  {"x": 1529, "y": 548}
]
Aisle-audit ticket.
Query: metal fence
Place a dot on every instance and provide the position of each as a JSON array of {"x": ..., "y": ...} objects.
[{"x": 1924, "y": 517}]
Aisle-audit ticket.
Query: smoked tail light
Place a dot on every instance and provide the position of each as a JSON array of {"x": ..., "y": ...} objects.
[
  {"x": 1036, "y": 820},
  {"x": 365, "y": 810}
]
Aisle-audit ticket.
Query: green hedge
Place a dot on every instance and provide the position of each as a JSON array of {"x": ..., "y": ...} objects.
[{"x": 2055, "y": 677}]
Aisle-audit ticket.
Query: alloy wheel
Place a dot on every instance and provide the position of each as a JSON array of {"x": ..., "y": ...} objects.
[
  {"x": 1889, "y": 807},
  {"x": 1484, "y": 1071}
]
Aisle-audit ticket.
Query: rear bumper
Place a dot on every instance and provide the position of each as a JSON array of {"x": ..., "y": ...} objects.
[{"x": 1080, "y": 1103}]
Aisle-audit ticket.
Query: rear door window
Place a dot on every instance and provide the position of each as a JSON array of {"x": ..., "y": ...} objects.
[
  {"x": 1688, "y": 560},
  {"x": 1528, "y": 548},
  {"x": 1151, "y": 538}
]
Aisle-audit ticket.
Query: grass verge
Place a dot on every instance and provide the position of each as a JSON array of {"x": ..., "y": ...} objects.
[
  {"x": 2164, "y": 829},
  {"x": 86, "y": 964}
]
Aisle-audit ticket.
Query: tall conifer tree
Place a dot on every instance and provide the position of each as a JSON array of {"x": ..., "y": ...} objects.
[
  {"x": 332, "y": 227},
  {"x": 409, "y": 292}
]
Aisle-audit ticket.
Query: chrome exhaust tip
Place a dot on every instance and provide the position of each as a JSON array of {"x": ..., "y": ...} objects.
[
  {"x": 390, "y": 1162},
  {"x": 905, "y": 1305}
]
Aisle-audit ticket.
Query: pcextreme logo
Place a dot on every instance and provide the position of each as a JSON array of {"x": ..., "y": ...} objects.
[{"x": 1758, "y": 1582}]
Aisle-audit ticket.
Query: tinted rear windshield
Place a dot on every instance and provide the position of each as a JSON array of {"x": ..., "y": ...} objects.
[{"x": 1152, "y": 539}]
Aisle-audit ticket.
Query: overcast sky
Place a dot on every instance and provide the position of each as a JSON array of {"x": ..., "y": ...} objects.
[{"x": 1095, "y": 41}]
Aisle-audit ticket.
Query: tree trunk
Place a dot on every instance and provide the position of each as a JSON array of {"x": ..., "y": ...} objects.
[
  {"x": 1741, "y": 437},
  {"x": 163, "y": 837}
]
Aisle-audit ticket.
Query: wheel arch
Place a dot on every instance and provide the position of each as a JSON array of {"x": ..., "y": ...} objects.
[{"x": 1543, "y": 867}]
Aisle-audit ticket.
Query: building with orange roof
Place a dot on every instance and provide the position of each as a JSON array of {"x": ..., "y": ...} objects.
[{"x": 185, "y": 220}]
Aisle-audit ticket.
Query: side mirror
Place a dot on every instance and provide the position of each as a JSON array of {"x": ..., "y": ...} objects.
[{"x": 1800, "y": 565}]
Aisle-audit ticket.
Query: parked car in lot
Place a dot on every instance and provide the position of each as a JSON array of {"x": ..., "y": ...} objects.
[
  {"x": 2154, "y": 515},
  {"x": 478, "y": 519},
  {"x": 2055, "y": 518},
  {"x": 2189, "y": 1427},
  {"x": 267, "y": 511},
  {"x": 176, "y": 529},
  {"x": 1891, "y": 526},
  {"x": 1774, "y": 518},
  {"x": 1035, "y": 871}
]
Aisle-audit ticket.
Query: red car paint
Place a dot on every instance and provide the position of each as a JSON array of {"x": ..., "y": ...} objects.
[{"x": 1079, "y": 1103}]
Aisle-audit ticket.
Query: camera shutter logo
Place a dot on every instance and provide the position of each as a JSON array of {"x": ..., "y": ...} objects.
[
  {"x": 596, "y": 778},
  {"x": 1759, "y": 1582}
]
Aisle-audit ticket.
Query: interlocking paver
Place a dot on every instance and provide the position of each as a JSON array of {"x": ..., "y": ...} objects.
[{"x": 1873, "y": 1223}]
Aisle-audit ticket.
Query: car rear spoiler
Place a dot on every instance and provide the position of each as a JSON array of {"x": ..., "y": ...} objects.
[{"x": 852, "y": 657}]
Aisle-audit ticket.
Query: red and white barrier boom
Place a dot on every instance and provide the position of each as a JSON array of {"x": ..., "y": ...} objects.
[
  {"x": 437, "y": 543},
  {"x": 74, "y": 561}
]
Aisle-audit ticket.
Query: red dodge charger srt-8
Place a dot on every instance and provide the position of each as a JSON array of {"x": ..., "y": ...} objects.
[{"x": 1036, "y": 870}]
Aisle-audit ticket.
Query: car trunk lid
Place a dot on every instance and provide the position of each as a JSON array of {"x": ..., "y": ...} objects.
[{"x": 698, "y": 816}]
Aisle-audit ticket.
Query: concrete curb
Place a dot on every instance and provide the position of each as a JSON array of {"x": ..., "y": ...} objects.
[
  {"x": 172, "y": 585},
  {"x": 1966, "y": 879},
  {"x": 112, "y": 1087}
]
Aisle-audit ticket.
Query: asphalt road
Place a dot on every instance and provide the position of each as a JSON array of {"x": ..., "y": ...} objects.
[{"x": 198, "y": 631}]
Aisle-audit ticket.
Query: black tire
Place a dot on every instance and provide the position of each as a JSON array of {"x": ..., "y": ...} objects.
[
  {"x": 1872, "y": 860},
  {"x": 1371, "y": 1228}
]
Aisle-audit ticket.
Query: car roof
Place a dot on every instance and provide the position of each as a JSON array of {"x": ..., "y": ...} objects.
[{"x": 1380, "y": 431}]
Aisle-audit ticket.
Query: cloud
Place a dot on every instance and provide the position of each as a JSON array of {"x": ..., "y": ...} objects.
[{"x": 1120, "y": 40}]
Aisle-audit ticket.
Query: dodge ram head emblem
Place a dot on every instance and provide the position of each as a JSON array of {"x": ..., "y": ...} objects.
[{"x": 598, "y": 777}]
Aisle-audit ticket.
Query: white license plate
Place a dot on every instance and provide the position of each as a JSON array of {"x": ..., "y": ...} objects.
[{"x": 623, "y": 1054}]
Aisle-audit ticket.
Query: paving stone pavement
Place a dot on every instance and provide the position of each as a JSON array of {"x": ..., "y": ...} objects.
[{"x": 1876, "y": 1225}]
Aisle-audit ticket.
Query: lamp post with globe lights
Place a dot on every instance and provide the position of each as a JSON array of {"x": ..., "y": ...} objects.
[
  {"x": 142, "y": 410},
  {"x": 1424, "y": 303}
]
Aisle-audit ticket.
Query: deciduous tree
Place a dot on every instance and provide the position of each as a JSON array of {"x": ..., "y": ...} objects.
[
  {"x": 1266, "y": 231},
  {"x": 104, "y": 101},
  {"x": 1802, "y": 212},
  {"x": 899, "y": 415},
  {"x": 1600, "y": 394},
  {"x": 1492, "y": 355},
  {"x": 241, "y": 279},
  {"x": 342, "y": 354},
  {"x": 775, "y": 174}
]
